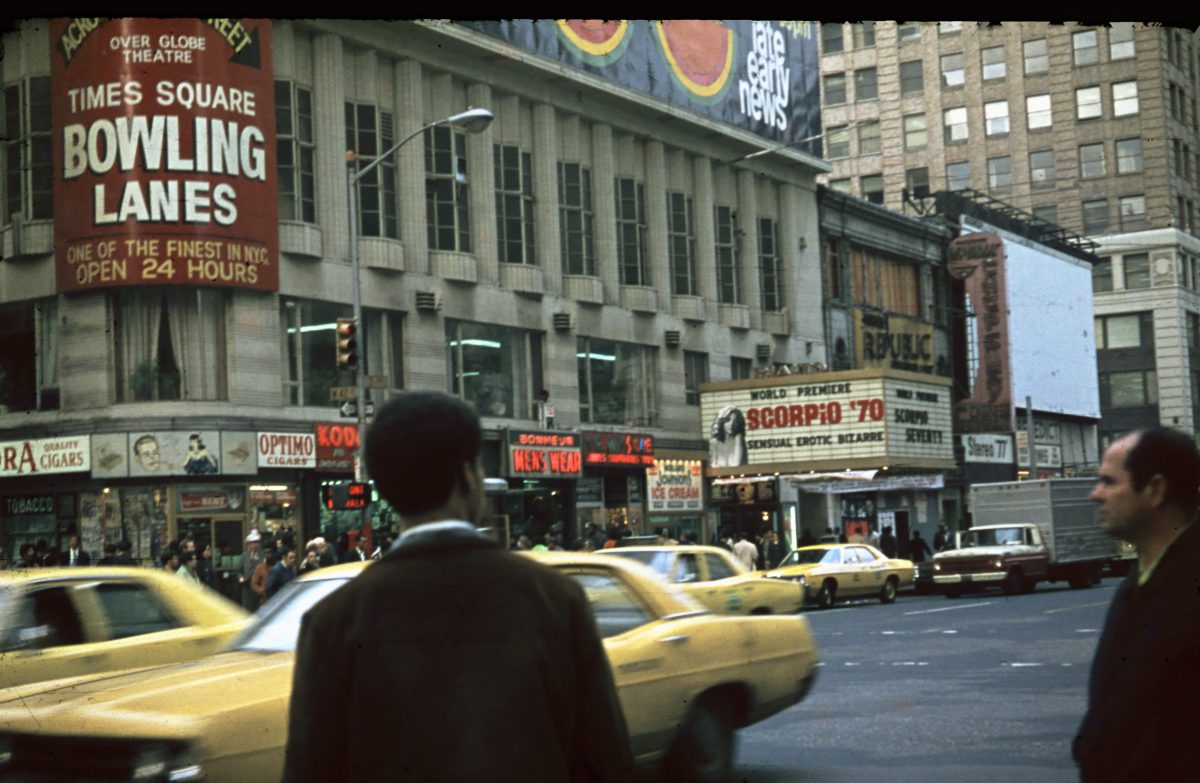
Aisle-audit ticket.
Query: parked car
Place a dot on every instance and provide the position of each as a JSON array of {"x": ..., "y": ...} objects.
[
  {"x": 716, "y": 579},
  {"x": 59, "y": 622},
  {"x": 687, "y": 678},
  {"x": 828, "y": 572}
]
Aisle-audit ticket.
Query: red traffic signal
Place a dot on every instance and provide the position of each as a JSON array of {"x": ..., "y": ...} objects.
[{"x": 347, "y": 343}]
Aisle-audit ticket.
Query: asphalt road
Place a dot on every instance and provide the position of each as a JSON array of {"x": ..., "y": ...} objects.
[{"x": 981, "y": 689}]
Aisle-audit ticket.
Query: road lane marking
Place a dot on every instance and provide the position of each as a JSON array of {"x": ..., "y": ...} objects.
[
  {"x": 1019, "y": 665},
  {"x": 1087, "y": 630},
  {"x": 1081, "y": 606},
  {"x": 950, "y": 608}
]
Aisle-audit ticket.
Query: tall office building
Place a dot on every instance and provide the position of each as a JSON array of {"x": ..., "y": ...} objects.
[{"x": 1094, "y": 129}]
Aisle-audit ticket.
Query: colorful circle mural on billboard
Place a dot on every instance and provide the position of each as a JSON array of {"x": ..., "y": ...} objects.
[
  {"x": 700, "y": 53},
  {"x": 597, "y": 41}
]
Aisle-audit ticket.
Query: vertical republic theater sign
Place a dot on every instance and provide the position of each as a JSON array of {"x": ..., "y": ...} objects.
[{"x": 164, "y": 153}]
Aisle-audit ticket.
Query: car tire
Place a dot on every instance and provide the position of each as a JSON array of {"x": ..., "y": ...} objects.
[
  {"x": 887, "y": 594},
  {"x": 703, "y": 751},
  {"x": 827, "y": 594},
  {"x": 1013, "y": 582}
]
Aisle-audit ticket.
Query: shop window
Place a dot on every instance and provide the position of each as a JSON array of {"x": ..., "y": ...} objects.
[
  {"x": 170, "y": 344},
  {"x": 29, "y": 356},
  {"x": 494, "y": 368},
  {"x": 617, "y": 382},
  {"x": 513, "y": 169}
]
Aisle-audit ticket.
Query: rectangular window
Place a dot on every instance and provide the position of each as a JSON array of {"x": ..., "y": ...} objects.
[
  {"x": 912, "y": 77},
  {"x": 953, "y": 70},
  {"x": 617, "y": 382},
  {"x": 1102, "y": 277},
  {"x": 446, "y": 195},
  {"x": 841, "y": 185},
  {"x": 838, "y": 140},
  {"x": 1134, "y": 389},
  {"x": 995, "y": 115},
  {"x": 309, "y": 343},
  {"x": 909, "y": 31},
  {"x": 917, "y": 182},
  {"x": 994, "y": 66},
  {"x": 295, "y": 152},
  {"x": 1095, "y": 216},
  {"x": 1120, "y": 41},
  {"x": 866, "y": 85},
  {"x": 1037, "y": 56},
  {"x": 1124, "y": 98},
  {"x": 1087, "y": 103},
  {"x": 631, "y": 232},
  {"x": 369, "y": 132},
  {"x": 955, "y": 124},
  {"x": 1091, "y": 160},
  {"x": 27, "y": 149},
  {"x": 728, "y": 274},
  {"x": 958, "y": 175},
  {"x": 695, "y": 372},
  {"x": 1041, "y": 168},
  {"x": 681, "y": 243},
  {"x": 770, "y": 265},
  {"x": 833, "y": 269},
  {"x": 999, "y": 172},
  {"x": 949, "y": 27},
  {"x": 1047, "y": 213},
  {"x": 575, "y": 215},
  {"x": 1133, "y": 211},
  {"x": 831, "y": 38},
  {"x": 884, "y": 282},
  {"x": 513, "y": 170},
  {"x": 916, "y": 134},
  {"x": 835, "y": 89},
  {"x": 872, "y": 188},
  {"x": 1086, "y": 46},
  {"x": 497, "y": 370},
  {"x": 740, "y": 368},
  {"x": 1129, "y": 330},
  {"x": 170, "y": 344},
  {"x": 868, "y": 138},
  {"x": 1037, "y": 111},
  {"x": 864, "y": 34},
  {"x": 29, "y": 356}
]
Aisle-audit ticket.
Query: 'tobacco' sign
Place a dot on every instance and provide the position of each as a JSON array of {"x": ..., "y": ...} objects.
[{"x": 164, "y": 153}]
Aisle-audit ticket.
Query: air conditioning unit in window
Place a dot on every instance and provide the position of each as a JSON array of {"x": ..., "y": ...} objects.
[
  {"x": 429, "y": 301},
  {"x": 763, "y": 351},
  {"x": 564, "y": 321},
  {"x": 672, "y": 338}
]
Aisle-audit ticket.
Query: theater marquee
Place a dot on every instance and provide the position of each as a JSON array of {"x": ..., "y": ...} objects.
[
  {"x": 829, "y": 421},
  {"x": 164, "y": 153}
]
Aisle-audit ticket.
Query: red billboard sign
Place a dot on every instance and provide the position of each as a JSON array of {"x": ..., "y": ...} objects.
[
  {"x": 336, "y": 444},
  {"x": 978, "y": 260},
  {"x": 164, "y": 153}
]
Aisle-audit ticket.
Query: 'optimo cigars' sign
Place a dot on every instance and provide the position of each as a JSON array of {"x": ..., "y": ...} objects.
[{"x": 164, "y": 153}]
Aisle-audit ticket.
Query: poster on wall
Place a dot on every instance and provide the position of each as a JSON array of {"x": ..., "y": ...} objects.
[
  {"x": 110, "y": 455},
  {"x": 174, "y": 453},
  {"x": 163, "y": 134},
  {"x": 238, "y": 453},
  {"x": 37, "y": 456}
]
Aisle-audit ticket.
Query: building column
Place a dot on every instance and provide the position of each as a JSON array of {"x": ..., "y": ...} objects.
[
  {"x": 482, "y": 193},
  {"x": 545, "y": 197},
  {"x": 706, "y": 235},
  {"x": 329, "y": 121},
  {"x": 410, "y": 165},
  {"x": 604, "y": 169},
  {"x": 747, "y": 246},
  {"x": 658, "y": 257}
]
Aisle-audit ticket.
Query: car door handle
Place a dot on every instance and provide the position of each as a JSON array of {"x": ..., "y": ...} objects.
[{"x": 676, "y": 639}]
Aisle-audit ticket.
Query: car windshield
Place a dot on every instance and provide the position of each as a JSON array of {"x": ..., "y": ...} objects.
[
  {"x": 810, "y": 556},
  {"x": 278, "y": 627},
  {"x": 999, "y": 536},
  {"x": 659, "y": 561}
]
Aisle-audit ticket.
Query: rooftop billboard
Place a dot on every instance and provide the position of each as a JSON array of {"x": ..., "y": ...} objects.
[{"x": 761, "y": 76}]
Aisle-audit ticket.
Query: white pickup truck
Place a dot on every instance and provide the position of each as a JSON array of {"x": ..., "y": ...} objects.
[{"x": 1027, "y": 532}]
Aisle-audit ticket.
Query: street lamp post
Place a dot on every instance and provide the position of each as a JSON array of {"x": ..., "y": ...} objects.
[{"x": 474, "y": 120}]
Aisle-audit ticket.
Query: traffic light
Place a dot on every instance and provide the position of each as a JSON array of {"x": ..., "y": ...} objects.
[{"x": 347, "y": 343}]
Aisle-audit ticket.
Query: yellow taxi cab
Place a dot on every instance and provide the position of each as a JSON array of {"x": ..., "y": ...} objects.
[
  {"x": 686, "y": 678},
  {"x": 716, "y": 579},
  {"x": 827, "y": 572},
  {"x": 59, "y": 622}
]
